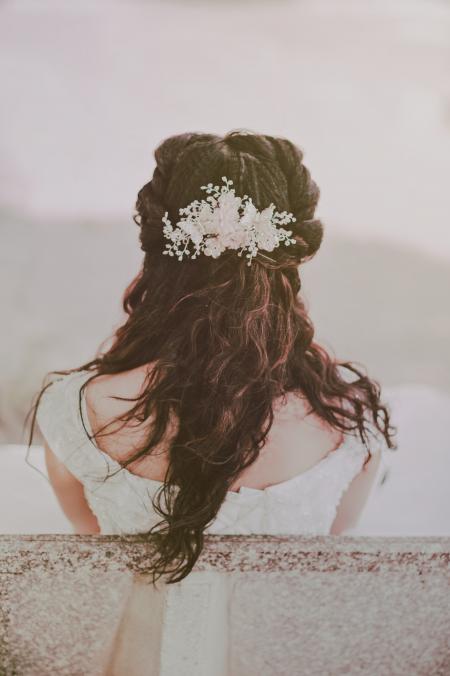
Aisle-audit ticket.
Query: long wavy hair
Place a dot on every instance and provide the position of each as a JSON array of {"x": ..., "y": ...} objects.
[{"x": 224, "y": 339}]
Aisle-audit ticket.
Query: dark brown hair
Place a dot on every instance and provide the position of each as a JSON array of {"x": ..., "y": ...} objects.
[{"x": 225, "y": 338}]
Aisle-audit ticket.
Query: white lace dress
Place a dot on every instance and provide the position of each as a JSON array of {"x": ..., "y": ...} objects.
[
  {"x": 193, "y": 615},
  {"x": 304, "y": 504}
]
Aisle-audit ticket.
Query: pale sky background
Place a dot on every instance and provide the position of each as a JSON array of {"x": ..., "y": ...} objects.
[{"x": 90, "y": 88}]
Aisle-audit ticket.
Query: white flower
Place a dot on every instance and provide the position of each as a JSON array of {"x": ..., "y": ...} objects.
[
  {"x": 205, "y": 219},
  {"x": 265, "y": 230},
  {"x": 192, "y": 230},
  {"x": 212, "y": 247},
  {"x": 225, "y": 221},
  {"x": 227, "y": 213}
]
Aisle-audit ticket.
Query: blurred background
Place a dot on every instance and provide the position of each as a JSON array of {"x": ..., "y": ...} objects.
[{"x": 91, "y": 88}]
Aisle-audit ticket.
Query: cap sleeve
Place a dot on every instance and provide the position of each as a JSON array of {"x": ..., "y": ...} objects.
[{"x": 59, "y": 421}]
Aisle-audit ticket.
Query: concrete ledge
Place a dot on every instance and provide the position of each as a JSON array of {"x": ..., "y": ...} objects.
[
  {"x": 229, "y": 553},
  {"x": 253, "y": 606}
]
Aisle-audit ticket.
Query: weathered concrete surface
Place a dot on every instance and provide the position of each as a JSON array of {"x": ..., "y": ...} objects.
[
  {"x": 322, "y": 605},
  {"x": 228, "y": 553}
]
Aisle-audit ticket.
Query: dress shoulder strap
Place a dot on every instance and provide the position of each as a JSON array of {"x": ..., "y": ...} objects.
[{"x": 60, "y": 421}]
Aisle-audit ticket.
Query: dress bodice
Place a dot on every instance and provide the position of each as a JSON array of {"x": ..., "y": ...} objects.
[{"x": 122, "y": 503}]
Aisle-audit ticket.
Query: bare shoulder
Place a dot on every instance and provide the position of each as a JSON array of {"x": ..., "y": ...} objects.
[
  {"x": 107, "y": 397},
  {"x": 297, "y": 425},
  {"x": 102, "y": 392}
]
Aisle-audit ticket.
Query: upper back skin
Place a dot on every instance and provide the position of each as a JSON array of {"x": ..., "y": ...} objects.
[{"x": 294, "y": 444}]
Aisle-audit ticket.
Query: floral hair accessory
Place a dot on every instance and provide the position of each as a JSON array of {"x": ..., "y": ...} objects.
[{"x": 225, "y": 221}]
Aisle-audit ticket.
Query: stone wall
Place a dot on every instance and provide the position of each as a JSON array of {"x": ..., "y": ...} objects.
[{"x": 253, "y": 605}]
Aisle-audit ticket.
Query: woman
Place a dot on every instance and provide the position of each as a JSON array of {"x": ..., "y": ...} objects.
[{"x": 213, "y": 410}]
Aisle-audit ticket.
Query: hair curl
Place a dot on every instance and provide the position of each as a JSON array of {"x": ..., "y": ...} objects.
[{"x": 225, "y": 339}]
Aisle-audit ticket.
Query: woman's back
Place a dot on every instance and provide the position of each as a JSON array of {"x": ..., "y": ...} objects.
[
  {"x": 216, "y": 309},
  {"x": 294, "y": 486},
  {"x": 297, "y": 440}
]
